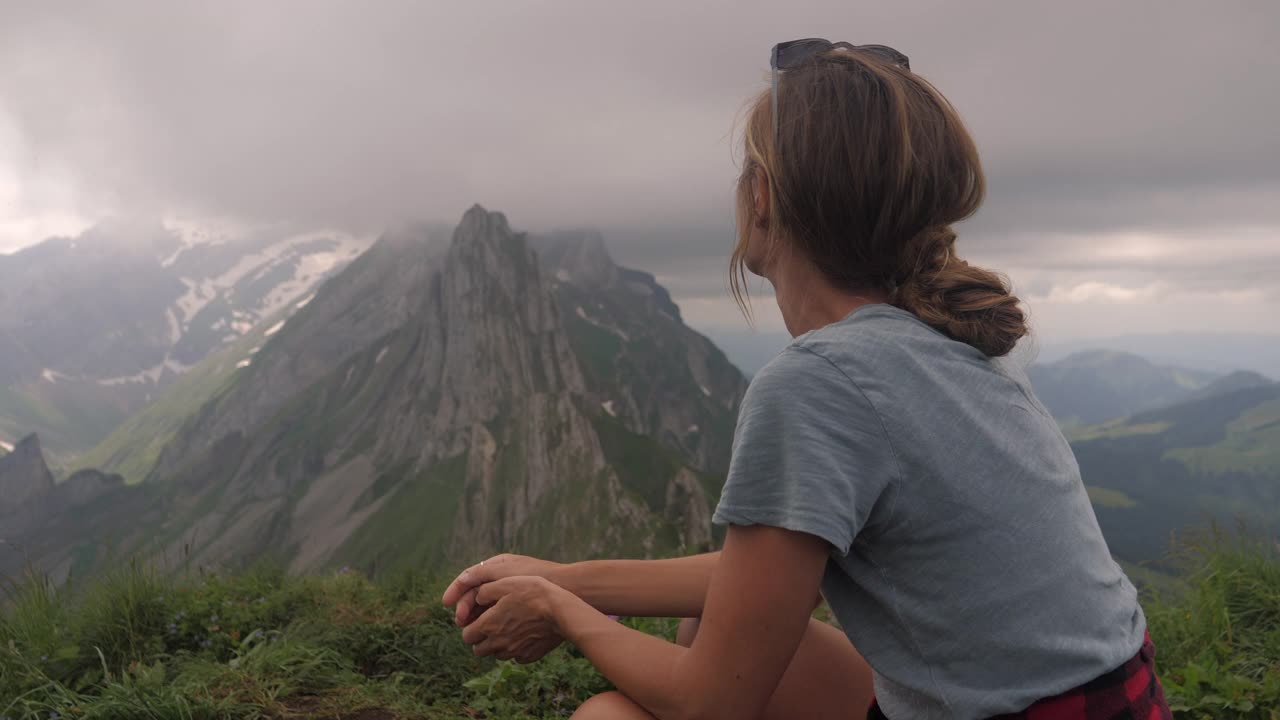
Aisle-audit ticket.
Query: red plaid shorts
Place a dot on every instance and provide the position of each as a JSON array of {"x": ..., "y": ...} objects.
[{"x": 1130, "y": 692}]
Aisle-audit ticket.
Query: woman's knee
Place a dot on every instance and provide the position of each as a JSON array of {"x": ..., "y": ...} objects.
[
  {"x": 687, "y": 631},
  {"x": 610, "y": 706}
]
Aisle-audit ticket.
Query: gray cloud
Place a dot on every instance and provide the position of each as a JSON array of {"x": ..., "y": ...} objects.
[{"x": 1093, "y": 117}]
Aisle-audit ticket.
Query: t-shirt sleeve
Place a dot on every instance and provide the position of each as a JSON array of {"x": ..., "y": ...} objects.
[{"x": 809, "y": 453}]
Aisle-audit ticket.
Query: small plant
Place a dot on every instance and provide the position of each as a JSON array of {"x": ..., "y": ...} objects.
[{"x": 1218, "y": 639}]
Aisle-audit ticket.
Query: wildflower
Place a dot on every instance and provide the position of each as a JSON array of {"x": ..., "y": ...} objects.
[{"x": 44, "y": 658}]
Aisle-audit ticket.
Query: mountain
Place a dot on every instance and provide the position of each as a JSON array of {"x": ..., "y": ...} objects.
[
  {"x": 23, "y": 472},
  {"x": 750, "y": 348},
  {"x": 1215, "y": 353},
  {"x": 1213, "y": 458},
  {"x": 1099, "y": 385},
  {"x": 1231, "y": 382},
  {"x": 648, "y": 369},
  {"x": 435, "y": 402},
  {"x": 92, "y": 327},
  {"x": 36, "y": 515}
]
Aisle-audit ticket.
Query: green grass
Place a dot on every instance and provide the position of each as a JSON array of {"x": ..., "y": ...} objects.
[
  {"x": 1114, "y": 429},
  {"x": 1252, "y": 445},
  {"x": 1106, "y": 497},
  {"x": 260, "y": 644},
  {"x": 1218, "y": 636}
]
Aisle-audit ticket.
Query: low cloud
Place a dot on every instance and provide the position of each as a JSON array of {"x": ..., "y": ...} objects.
[{"x": 1135, "y": 139}]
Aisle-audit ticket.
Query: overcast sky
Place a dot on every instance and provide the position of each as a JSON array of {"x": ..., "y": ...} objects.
[{"x": 1132, "y": 148}]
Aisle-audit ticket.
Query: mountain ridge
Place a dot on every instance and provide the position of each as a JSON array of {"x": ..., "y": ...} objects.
[
  {"x": 92, "y": 326},
  {"x": 430, "y": 404}
]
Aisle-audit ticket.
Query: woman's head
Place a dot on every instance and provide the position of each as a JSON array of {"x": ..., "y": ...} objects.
[{"x": 865, "y": 174}]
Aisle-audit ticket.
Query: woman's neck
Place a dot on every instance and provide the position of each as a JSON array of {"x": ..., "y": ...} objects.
[{"x": 809, "y": 301}]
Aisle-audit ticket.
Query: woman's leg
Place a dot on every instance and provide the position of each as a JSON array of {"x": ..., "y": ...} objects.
[{"x": 827, "y": 678}]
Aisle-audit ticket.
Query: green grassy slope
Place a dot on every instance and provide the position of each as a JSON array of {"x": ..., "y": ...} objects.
[
  {"x": 1218, "y": 635},
  {"x": 133, "y": 446},
  {"x": 68, "y": 415},
  {"x": 260, "y": 644},
  {"x": 1162, "y": 472}
]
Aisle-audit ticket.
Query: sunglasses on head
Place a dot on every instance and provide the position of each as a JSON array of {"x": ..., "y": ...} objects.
[{"x": 794, "y": 53}]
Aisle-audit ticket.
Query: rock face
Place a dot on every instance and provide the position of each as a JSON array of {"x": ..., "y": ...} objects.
[
  {"x": 642, "y": 364},
  {"x": 55, "y": 526},
  {"x": 434, "y": 404},
  {"x": 23, "y": 474}
]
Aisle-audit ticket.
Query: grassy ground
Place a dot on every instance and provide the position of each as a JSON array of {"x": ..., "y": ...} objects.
[
  {"x": 1218, "y": 637},
  {"x": 263, "y": 645},
  {"x": 259, "y": 644}
]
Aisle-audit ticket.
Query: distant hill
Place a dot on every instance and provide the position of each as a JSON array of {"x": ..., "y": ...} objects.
[
  {"x": 1215, "y": 457},
  {"x": 1099, "y": 385},
  {"x": 1218, "y": 353}
]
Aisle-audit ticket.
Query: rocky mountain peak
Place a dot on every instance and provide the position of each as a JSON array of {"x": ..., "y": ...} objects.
[
  {"x": 578, "y": 256},
  {"x": 23, "y": 473},
  {"x": 427, "y": 408},
  {"x": 479, "y": 223}
]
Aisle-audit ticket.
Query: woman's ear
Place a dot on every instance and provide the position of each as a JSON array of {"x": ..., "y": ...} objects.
[{"x": 760, "y": 197}]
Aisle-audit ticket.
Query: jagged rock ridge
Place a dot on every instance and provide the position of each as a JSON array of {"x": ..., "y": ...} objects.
[{"x": 429, "y": 407}]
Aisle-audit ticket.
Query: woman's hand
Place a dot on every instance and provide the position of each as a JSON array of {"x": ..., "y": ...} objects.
[
  {"x": 519, "y": 622},
  {"x": 461, "y": 593}
]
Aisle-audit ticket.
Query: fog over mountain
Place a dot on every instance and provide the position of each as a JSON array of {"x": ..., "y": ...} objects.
[{"x": 1134, "y": 168}]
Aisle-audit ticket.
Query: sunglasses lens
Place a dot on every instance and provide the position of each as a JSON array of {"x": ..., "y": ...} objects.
[
  {"x": 887, "y": 53},
  {"x": 790, "y": 54}
]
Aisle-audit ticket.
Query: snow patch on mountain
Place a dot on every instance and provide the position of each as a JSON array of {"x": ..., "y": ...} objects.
[
  {"x": 603, "y": 326},
  {"x": 53, "y": 376},
  {"x": 310, "y": 266},
  {"x": 175, "y": 327},
  {"x": 150, "y": 375}
]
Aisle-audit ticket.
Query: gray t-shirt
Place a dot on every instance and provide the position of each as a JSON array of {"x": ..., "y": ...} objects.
[{"x": 967, "y": 565}]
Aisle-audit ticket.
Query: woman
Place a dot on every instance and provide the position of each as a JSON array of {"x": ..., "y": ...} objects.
[{"x": 889, "y": 457}]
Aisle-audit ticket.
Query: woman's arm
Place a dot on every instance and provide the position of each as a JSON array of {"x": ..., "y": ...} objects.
[
  {"x": 638, "y": 588},
  {"x": 641, "y": 588},
  {"x": 757, "y": 608}
]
